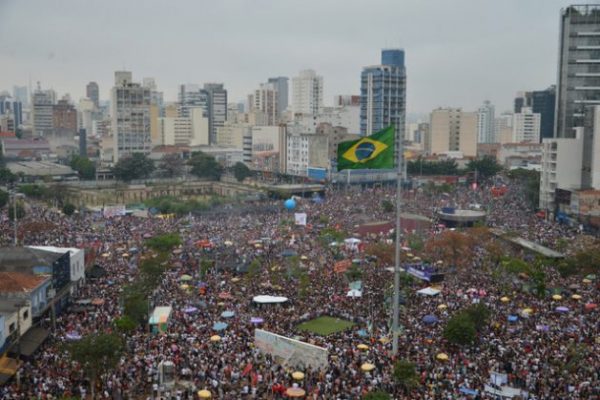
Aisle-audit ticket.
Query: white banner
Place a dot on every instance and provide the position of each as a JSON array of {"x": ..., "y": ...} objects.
[
  {"x": 300, "y": 218},
  {"x": 290, "y": 352},
  {"x": 113, "y": 211}
]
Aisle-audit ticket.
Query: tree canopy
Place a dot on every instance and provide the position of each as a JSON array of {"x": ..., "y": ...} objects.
[
  {"x": 423, "y": 167},
  {"x": 84, "y": 167},
  {"x": 486, "y": 166},
  {"x": 241, "y": 171},
  {"x": 205, "y": 166},
  {"x": 135, "y": 166},
  {"x": 4, "y": 197},
  {"x": 171, "y": 165}
]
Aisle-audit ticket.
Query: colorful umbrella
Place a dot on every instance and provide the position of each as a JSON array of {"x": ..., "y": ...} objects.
[
  {"x": 430, "y": 319},
  {"x": 215, "y": 338},
  {"x": 256, "y": 320},
  {"x": 576, "y": 297},
  {"x": 219, "y": 326},
  {"x": 556, "y": 297},
  {"x": 504, "y": 299},
  {"x": 367, "y": 367},
  {"x": 295, "y": 392},
  {"x": 362, "y": 347},
  {"x": 442, "y": 357},
  {"x": 562, "y": 309},
  {"x": 298, "y": 375},
  {"x": 227, "y": 314},
  {"x": 204, "y": 394}
]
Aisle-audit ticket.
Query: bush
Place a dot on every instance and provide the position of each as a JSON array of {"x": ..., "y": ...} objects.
[
  {"x": 4, "y": 197},
  {"x": 460, "y": 329},
  {"x": 125, "y": 324},
  {"x": 405, "y": 374},
  {"x": 68, "y": 209},
  {"x": 387, "y": 205},
  {"x": 378, "y": 395},
  {"x": 479, "y": 314},
  {"x": 164, "y": 243}
]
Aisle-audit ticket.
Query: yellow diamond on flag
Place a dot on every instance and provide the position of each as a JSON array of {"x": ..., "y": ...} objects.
[{"x": 364, "y": 150}]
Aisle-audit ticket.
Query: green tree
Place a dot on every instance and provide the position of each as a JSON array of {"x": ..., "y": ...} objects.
[
  {"x": 4, "y": 197},
  {"x": 135, "y": 305},
  {"x": 354, "y": 273},
  {"x": 378, "y": 395},
  {"x": 241, "y": 171},
  {"x": 97, "y": 354},
  {"x": 164, "y": 243},
  {"x": 486, "y": 166},
  {"x": 125, "y": 324},
  {"x": 35, "y": 191},
  {"x": 460, "y": 329},
  {"x": 135, "y": 166},
  {"x": 423, "y": 167},
  {"x": 405, "y": 374},
  {"x": 7, "y": 177},
  {"x": 254, "y": 268},
  {"x": 387, "y": 206},
  {"x": 205, "y": 166},
  {"x": 171, "y": 165},
  {"x": 479, "y": 315},
  {"x": 68, "y": 209},
  {"x": 84, "y": 167}
]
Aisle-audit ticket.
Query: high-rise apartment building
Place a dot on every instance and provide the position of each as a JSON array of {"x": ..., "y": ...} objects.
[
  {"x": 578, "y": 67},
  {"x": 21, "y": 94},
  {"x": 485, "y": 123},
  {"x": 280, "y": 84},
  {"x": 92, "y": 92},
  {"x": 190, "y": 95},
  {"x": 64, "y": 118},
  {"x": 503, "y": 128},
  {"x": 130, "y": 114},
  {"x": 217, "y": 108},
  {"x": 453, "y": 130},
  {"x": 346, "y": 100},
  {"x": 43, "y": 102},
  {"x": 541, "y": 102},
  {"x": 526, "y": 126},
  {"x": 307, "y": 93},
  {"x": 265, "y": 101},
  {"x": 383, "y": 94}
]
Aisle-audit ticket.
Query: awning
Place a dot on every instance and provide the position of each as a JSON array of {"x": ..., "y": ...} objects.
[
  {"x": 8, "y": 368},
  {"x": 32, "y": 339}
]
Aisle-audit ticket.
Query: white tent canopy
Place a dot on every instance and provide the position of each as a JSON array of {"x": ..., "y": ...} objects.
[
  {"x": 265, "y": 299},
  {"x": 354, "y": 293},
  {"x": 429, "y": 291}
]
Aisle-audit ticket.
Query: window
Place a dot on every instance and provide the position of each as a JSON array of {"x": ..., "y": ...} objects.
[
  {"x": 26, "y": 313},
  {"x": 11, "y": 328}
]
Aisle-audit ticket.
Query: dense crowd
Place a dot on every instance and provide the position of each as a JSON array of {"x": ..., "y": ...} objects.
[{"x": 532, "y": 350}]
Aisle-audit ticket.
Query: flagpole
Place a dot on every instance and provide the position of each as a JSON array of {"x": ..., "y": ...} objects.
[{"x": 396, "y": 308}]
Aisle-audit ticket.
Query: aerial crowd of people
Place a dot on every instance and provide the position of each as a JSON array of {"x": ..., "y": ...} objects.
[{"x": 534, "y": 351}]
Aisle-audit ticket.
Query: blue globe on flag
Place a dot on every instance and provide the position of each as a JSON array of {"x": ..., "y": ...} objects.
[{"x": 364, "y": 151}]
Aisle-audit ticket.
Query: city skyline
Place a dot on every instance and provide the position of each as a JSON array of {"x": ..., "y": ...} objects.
[{"x": 449, "y": 59}]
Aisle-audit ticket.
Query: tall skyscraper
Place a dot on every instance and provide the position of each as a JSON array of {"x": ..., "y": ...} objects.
[
  {"x": 92, "y": 92},
  {"x": 64, "y": 119},
  {"x": 130, "y": 113},
  {"x": 307, "y": 93},
  {"x": 280, "y": 84},
  {"x": 265, "y": 101},
  {"x": 21, "y": 94},
  {"x": 541, "y": 102},
  {"x": 451, "y": 129},
  {"x": 43, "y": 103},
  {"x": 526, "y": 126},
  {"x": 217, "y": 108},
  {"x": 190, "y": 95},
  {"x": 578, "y": 64},
  {"x": 383, "y": 94},
  {"x": 485, "y": 123}
]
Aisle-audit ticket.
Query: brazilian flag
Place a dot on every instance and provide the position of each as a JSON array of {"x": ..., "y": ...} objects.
[{"x": 371, "y": 152}]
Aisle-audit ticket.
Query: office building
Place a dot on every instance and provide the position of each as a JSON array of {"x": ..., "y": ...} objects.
[
  {"x": 43, "y": 111},
  {"x": 526, "y": 126},
  {"x": 64, "y": 118},
  {"x": 21, "y": 94},
  {"x": 190, "y": 95},
  {"x": 503, "y": 128},
  {"x": 578, "y": 67},
  {"x": 217, "y": 108},
  {"x": 383, "y": 95},
  {"x": 130, "y": 113},
  {"x": 346, "y": 100},
  {"x": 92, "y": 92},
  {"x": 541, "y": 102},
  {"x": 561, "y": 168},
  {"x": 182, "y": 131},
  {"x": 265, "y": 101},
  {"x": 307, "y": 93},
  {"x": 280, "y": 84},
  {"x": 453, "y": 130},
  {"x": 485, "y": 123}
]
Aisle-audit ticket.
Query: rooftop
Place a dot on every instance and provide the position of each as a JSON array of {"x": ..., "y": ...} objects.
[
  {"x": 18, "y": 259},
  {"x": 13, "y": 282},
  {"x": 39, "y": 168}
]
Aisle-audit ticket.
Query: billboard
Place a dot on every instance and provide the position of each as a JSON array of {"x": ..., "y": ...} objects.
[
  {"x": 290, "y": 352},
  {"x": 317, "y": 174}
]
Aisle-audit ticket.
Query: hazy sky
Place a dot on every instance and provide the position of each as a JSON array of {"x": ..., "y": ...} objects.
[{"x": 458, "y": 52}]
